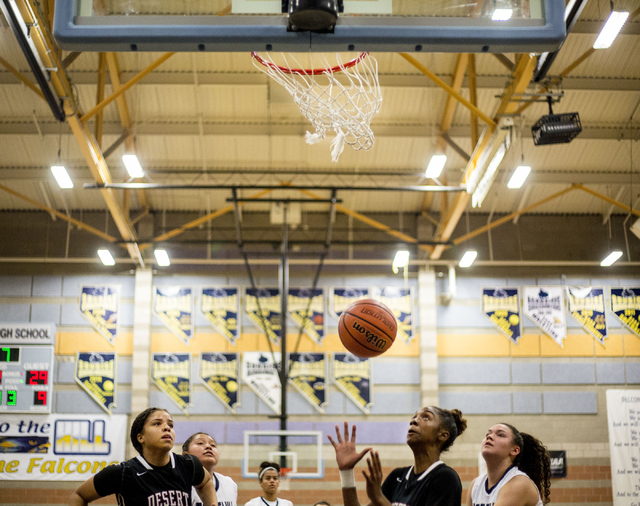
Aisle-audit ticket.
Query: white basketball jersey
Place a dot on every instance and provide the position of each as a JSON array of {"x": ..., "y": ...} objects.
[
  {"x": 226, "y": 491},
  {"x": 261, "y": 501},
  {"x": 482, "y": 496}
]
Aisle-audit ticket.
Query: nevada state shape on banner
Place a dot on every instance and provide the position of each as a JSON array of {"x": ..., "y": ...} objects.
[
  {"x": 308, "y": 311},
  {"x": 352, "y": 375},
  {"x": 173, "y": 306},
  {"x": 96, "y": 374},
  {"x": 400, "y": 301},
  {"x": 502, "y": 306},
  {"x": 308, "y": 373},
  {"x": 100, "y": 306},
  {"x": 586, "y": 306},
  {"x": 544, "y": 305},
  {"x": 221, "y": 306},
  {"x": 260, "y": 374},
  {"x": 268, "y": 317},
  {"x": 342, "y": 298},
  {"x": 219, "y": 373},
  {"x": 625, "y": 305},
  {"x": 171, "y": 372}
]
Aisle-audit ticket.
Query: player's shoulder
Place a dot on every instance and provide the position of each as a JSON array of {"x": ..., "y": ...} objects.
[
  {"x": 253, "y": 502},
  {"x": 225, "y": 480},
  {"x": 522, "y": 487},
  {"x": 285, "y": 502},
  {"x": 445, "y": 473}
]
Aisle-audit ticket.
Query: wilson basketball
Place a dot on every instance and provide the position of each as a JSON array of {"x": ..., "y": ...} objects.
[{"x": 367, "y": 328}]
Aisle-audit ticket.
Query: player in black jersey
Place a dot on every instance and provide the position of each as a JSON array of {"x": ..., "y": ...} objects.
[
  {"x": 429, "y": 482},
  {"x": 156, "y": 477}
]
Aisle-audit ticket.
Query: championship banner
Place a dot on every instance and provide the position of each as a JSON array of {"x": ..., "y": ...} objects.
[
  {"x": 586, "y": 306},
  {"x": 544, "y": 305},
  {"x": 221, "y": 306},
  {"x": 558, "y": 463},
  {"x": 173, "y": 306},
  {"x": 60, "y": 447},
  {"x": 171, "y": 372},
  {"x": 625, "y": 306},
  {"x": 96, "y": 374},
  {"x": 400, "y": 301},
  {"x": 300, "y": 301},
  {"x": 219, "y": 373},
  {"x": 352, "y": 375},
  {"x": 269, "y": 322},
  {"x": 100, "y": 306},
  {"x": 308, "y": 374},
  {"x": 342, "y": 298},
  {"x": 261, "y": 375},
  {"x": 502, "y": 307}
]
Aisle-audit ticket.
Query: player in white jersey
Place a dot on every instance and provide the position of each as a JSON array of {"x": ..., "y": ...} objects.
[
  {"x": 205, "y": 448},
  {"x": 518, "y": 470},
  {"x": 269, "y": 476}
]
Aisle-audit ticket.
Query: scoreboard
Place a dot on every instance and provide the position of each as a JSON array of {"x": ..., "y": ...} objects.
[{"x": 26, "y": 377}]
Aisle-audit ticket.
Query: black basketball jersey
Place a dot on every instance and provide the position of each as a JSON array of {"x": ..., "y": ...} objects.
[
  {"x": 138, "y": 483},
  {"x": 437, "y": 486}
]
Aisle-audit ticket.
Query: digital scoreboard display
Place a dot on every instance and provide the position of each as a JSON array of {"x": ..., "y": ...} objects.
[{"x": 26, "y": 378}]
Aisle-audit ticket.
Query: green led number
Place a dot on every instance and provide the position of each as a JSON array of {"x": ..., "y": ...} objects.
[
  {"x": 8, "y": 352},
  {"x": 11, "y": 397}
]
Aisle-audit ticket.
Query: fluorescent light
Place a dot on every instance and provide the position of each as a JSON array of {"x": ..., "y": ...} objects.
[
  {"x": 62, "y": 177},
  {"x": 162, "y": 257},
  {"x": 610, "y": 30},
  {"x": 132, "y": 165},
  {"x": 519, "y": 177},
  {"x": 502, "y": 14},
  {"x": 468, "y": 258},
  {"x": 401, "y": 260},
  {"x": 106, "y": 257},
  {"x": 485, "y": 183},
  {"x": 611, "y": 259},
  {"x": 434, "y": 169}
]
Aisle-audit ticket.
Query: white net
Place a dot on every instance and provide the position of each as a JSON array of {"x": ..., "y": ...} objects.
[{"x": 344, "y": 104}]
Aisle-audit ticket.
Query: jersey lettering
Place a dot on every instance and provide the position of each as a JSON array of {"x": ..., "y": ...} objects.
[{"x": 169, "y": 498}]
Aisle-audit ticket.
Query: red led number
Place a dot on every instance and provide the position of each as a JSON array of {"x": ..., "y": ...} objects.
[
  {"x": 40, "y": 398},
  {"x": 0, "y": 377},
  {"x": 37, "y": 377}
]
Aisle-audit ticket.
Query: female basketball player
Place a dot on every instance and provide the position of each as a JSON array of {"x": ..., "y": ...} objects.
[
  {"x": 432, "y": 430},
  {"x": 156, "y": 477},
  {"x": 518, "y": 470},
  {"x": 205, "y": 448},
  {"x": 269, "y": 476}
]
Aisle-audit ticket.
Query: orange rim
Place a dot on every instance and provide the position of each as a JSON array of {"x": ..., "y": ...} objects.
[{"x": 312, "y": 72}]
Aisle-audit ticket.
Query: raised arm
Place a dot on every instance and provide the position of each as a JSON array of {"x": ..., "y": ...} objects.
[
  {"x": 84, "y": 494},
  {"x": 207, "y": 491},
  {"x": 468, "y": 501},
  {"x": 374, "y": 481}
]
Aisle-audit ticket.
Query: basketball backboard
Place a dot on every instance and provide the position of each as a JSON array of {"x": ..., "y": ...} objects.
[{"x": 259, "y": 25}]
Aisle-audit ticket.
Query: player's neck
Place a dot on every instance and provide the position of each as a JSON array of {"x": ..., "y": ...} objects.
[
  {"x": 156, "y": 457},
  {"x": 496, "y": 470},
  {"x": 269, "y": 496},
  {"x": 424, "y": 460},
  {"x": 210, "y": 468}
]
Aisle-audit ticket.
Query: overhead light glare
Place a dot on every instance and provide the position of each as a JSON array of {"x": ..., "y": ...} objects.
[
  {"x": 611, "y": 259},
  {"x": 106, "y": 257},
  {"x": 502, "y": 14},
  {"x": 401, "y": 260},
  {"x": 132, "y": 164},
  {"x": 519, "y": 177},
  {"x": 434, "y": 169},
  {"x": 468, "y": 258},
  {"x": 162, "y": 257},
  {"x": 62, "y": 177},
  {"x": 610, "y": 30},
  {"x": 485, "y": 183}
]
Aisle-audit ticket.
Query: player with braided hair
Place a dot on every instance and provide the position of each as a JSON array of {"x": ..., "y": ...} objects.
[{"x": 518, "y": 470}]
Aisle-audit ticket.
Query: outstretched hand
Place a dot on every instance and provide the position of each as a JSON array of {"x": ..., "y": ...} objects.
[
  {"x": 346, "y": 455},
  {"x": 374, "y": 480}
]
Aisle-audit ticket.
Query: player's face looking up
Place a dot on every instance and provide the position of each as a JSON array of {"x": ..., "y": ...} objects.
[
  {"x": 157, "y": 432},
  {"x": 424, "y": 429},
  {"x": 270, "y": 481},
  {"x": 499, "y": 443},
  {"x": 205, "y": 448}
]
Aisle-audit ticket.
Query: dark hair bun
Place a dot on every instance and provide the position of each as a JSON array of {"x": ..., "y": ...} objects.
[{"x": 461, "y": 423}]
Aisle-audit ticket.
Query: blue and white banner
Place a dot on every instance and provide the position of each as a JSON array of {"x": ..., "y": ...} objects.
[
  {"x": 173, "y": 306},
  {"x": 352, "y": 375},
  {"x": 267, "y": 317},
  {"x": 502, "y": 306},
  {"x": 307, "y": 310},
  {"x": 219, "y": 372},
  {"x": 221, "y": 306},
  {"x": 544, "y": 305},
  {"x": 260, "y": 374},
  {"x": 625, "y": 306},
  {"x": 96, "y": 373},
  {"x": 308, "y": 374},
  {"x": 60, "y": 447},
  {"x": 171, "y": 373},
  {"x": 400, "y": 301},
  {"x": 586, "y": 306},
  {"x": 100, "y": 306},
  {"x": 342, "y": 298}
]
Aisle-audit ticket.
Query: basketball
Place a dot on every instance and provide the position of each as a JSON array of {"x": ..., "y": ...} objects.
[{"x": 367, "y": 328}]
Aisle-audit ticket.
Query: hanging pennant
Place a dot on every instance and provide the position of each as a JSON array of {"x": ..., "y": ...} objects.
[
  {"x": 173, "y": 306},
  {"x": 96, "y": 374},
  {"x": 586, "y": 306},
  {"x": 221, "y": 306},
  {"x": 307, "y": 310},
  {"x": 342, "y": 298},
  {"x": 219, "y": 373},
  {"x": 502, "y": 307},
  {"x": 171, "y": 372},
  {"x": 269, "y": 299},
  {"x": 260, "y": 374},
  {"x": 400, "y": 301},
  {"x": 307, "y": 373},
  {"x": 100, "y": 306},
  {"x": 544, "y": 305},
  {"x": 625, "y": 305},
  {"x": 352, "y": 375}
]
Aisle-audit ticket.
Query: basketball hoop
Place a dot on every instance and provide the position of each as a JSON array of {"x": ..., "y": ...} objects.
[
  {"x": 285, "y": 479},
  {"x": 345, "y": 107}
]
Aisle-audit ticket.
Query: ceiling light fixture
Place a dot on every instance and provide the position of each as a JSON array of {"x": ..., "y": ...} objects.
[
  {"x": 611, "y": 29},
  {"x": 132, "y": 164},
  {"x": 401, "y": 260},
  {"x": 468, "y": 258},
  {"x": 611, "y": 259},
  {"x": 434, "y": 169},
  {"x": 162, "y": 257},
  {"x": 106, "y": 257},
  {"x": 519, "y": 177},
  {"x": 62, "y": 176}
]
